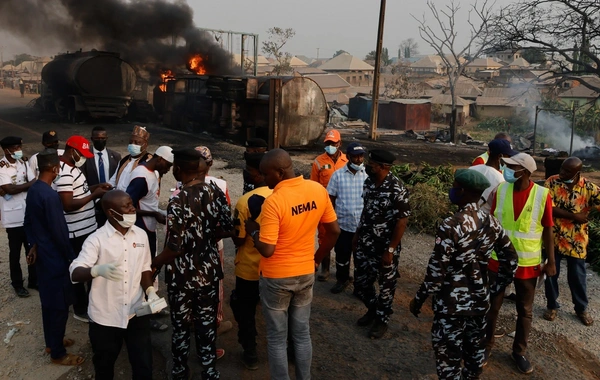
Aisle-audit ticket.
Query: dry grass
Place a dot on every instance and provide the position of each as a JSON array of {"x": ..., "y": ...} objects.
[{"x": 429, "y": 207}]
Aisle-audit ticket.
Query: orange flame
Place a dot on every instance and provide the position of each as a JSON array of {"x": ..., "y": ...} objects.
[
  {"x": 196, "y": 64},
  {"x": 166, "y": 76}
]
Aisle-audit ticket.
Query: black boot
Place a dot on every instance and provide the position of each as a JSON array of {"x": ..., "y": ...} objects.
[{"x": 366, "y": 319}]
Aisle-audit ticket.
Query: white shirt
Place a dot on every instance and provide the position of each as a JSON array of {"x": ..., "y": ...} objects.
[
  {"x": 124, "y": 178},
  {"x": 33, "y": 162},
  {"x": 113, "y": 303},
  {"x": 150, "y": 201},
  {"x": 495, "y": 178},
  {"x": 105, "y": 159},
  {"x": 13, "y": 209}
]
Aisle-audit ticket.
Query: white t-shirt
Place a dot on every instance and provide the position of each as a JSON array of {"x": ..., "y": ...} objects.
[
  {"x": 149, "y": 202},
  {"x": 495, "y": 178},
  {"x": 33, "y": 164},
  {"x": 83, "y": 221},
  {"x": 13, "y": 209}
]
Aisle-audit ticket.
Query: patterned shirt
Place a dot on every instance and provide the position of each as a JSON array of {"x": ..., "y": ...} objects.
[
  {"x": 570, "y": 237},
  {"x": 193, "y": 217},
  {"x": 347, "y": 187},
  {"x": 457, "y": 271},
  {"x": 383, "y": 207}
]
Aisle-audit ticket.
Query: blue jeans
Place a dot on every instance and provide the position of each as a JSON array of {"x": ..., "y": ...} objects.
[
  {"x": 576, "y": 278},
  {"x": 286, "y": 299}
]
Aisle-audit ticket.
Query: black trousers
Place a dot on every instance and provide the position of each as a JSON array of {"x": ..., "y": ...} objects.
[
  {"x": 243, "y": 301},
  {"x": 80, "y": 292},
  {"x": 55, "y": 323},
  {"x": 17, "y": 240},
  {"x": 343, "y": 253},
  {"x": 107, "y": 342}
]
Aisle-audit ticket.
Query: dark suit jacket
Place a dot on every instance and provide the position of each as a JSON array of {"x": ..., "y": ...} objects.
[{"x": 91, "y": 172}]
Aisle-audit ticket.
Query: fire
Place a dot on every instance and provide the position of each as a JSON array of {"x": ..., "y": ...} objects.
[
  {"x": 165, "y": 76},
  {"x": 196, "y": 64}
]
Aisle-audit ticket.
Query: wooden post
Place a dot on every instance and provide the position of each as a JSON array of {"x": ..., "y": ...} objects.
[
  {"x": 275, "y": 85},
  {"x": 375, "y": 106}
]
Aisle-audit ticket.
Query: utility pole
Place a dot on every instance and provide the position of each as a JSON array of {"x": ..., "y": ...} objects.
[
  {"x": 318, "y": 53},
  {"x": 375, "y": 107}
]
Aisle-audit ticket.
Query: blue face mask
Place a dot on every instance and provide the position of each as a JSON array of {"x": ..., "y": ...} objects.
[
  {"x": 570, "y": 181},
  {"x": 330, "y": 149},
  {"x": 17, "y": 155},
  {"x": 502, "y": 167},
  {"x": 357, "y": 167},
  {"x": 134, "y": 149},
  {"x": 509, "y": 175},
  {"x": 455, "y": 195}
]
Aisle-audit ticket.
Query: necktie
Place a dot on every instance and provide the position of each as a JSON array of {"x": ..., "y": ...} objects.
[{"x": 101, "y": 174}]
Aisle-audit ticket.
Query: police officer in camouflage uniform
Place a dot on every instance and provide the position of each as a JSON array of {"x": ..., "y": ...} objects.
[
  {"x": 197, "y": 218},
  {"x": 377, "y": 240},
  {"x": 457, "y": 279}
]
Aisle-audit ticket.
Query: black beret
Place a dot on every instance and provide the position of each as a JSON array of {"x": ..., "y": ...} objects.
[
  {"x": 49, "y": 137},
  {"x": 253, "y": 159},
  {"x": 11, "y": 141},
  {"x": 256, "y": 143},
  {"x": 382, "y": 156},
  {"x": 187, "y": 155},
  {"x": 48, "y": 157},
  {"x": 471, "y": 179}
]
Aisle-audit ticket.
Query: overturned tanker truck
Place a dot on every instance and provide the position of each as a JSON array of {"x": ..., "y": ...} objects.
[{"x": 94, "y": 84}]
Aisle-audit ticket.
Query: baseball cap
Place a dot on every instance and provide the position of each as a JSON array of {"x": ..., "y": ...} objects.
[
  {"x": 165, "y": 152},
  {"x": 501, "y": 146},
  {"x": 49, "y": 137},
  {"x": 81, "y": 144},
  {"x": 355, "y": 148},
  {"x": 522, "y": 159},
  {"x": 332, "y": 135}
]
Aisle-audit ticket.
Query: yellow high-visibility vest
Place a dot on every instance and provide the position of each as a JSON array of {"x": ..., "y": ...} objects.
[
  {"x": 485, "y": 156},
  {"x": 525, "y": 233}
]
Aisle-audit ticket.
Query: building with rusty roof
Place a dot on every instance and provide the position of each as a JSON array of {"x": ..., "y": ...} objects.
[{"x": 351, "y": 69}]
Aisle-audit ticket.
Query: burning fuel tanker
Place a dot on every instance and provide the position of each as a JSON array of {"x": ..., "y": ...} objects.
[{"x": 95, "y": 83}]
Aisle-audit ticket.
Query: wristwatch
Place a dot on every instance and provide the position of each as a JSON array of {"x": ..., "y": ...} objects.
[
  {"x": 391, "y": 250},
  {"x": 254, "y": 233}
]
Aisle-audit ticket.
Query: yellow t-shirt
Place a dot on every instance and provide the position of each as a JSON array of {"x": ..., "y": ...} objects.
[
  {"x": 289, "y": 221},
  {"x": 247, "y": 257}
]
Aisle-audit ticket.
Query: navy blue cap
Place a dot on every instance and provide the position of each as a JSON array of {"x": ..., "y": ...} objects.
[
  {"x": 355, "y": 148},
  {"x": 501, "y": 146}
]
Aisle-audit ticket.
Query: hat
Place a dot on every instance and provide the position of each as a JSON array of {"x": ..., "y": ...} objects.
[
  {"x": 501, "y": 146},
  {"x": 165, "y": 152},
  {"x": 10, "y": 141},
  {"x": 355, "y": 148},
  {"x": 522, "y": 159},
  {"x": 81, "y": 144},
  {"x": 256, "y": 143},
  {"x": 48, "y": 157},
  {"x": 471, "y": 179},
  {"x": 49, "y": 137},
  {"x": 186, "y": 155},
  {"x": 253, "y": 159},
  {"x": 205, "y": 153},
  {"x": 141, "y": 132},
  {"x": 333, "y": 135},
  {"x": 382, "y": 156}
]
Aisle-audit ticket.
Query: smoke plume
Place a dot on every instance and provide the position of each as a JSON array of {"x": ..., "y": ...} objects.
[
  {"x": 557, "y": 131},
  {"x": 150, "y": 34}
]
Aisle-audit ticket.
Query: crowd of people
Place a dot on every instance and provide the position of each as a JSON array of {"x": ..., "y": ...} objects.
[{"x": 87, "y": 219}]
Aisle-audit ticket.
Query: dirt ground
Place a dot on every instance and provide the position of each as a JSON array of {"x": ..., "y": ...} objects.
[{"x": 341, "y": 350}]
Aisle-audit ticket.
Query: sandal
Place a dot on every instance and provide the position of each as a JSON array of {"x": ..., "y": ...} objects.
[
  {"x": 69, "y": 359},
  {"x": 66, "y": 342},
  {"x": 585, "y": 318},
  {"x": 550, "y": 314}
]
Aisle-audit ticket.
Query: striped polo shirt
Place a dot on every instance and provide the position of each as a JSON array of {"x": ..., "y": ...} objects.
[{"x": 83, "y": 221}]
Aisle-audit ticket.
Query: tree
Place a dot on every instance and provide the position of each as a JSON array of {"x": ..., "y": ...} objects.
[
  {"x": 19, "y": 58},
  {"x": 339, "y": 52},
  {"x": 534, "y": 55},
  {"x": 408, "y": 48},
  {"x": 443, "y": 41},
  {"x": 385, "y": 57},
  {"x": 399, "y": 86},
  {"x": 277, "y": 39},
  {"x": 567, "y": 31}
]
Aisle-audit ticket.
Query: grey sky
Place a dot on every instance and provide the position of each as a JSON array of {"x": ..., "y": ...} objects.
[{"x": 330, "y": 25}]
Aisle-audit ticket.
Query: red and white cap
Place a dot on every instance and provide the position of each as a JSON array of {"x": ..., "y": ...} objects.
[{"x": 81, "y": 144}]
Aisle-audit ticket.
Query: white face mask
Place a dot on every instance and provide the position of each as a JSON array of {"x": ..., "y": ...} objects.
[
  {"x": 79, "y": 163},
  {"x": 128, "y": 219}
]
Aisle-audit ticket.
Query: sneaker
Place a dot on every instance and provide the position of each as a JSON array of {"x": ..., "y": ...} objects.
[
  {"x": 339, "y": 287},
  {"x": 585, "y": 318},
  {"x": 523, "y": 364},
  {"x": 22, "y": 292},
  {"x": 220, "y": 353},
  {"x": 250, "y": 360},
  {"x": 82, "y": 317},
  {"x": 511, "y": 297},
  {"x": 366, "y": 319},
  {"x": 224, "y": 327},
  {"x": 499, "y": 333},
  {"x": 550, "y": 314},
  {"x": 378, "y": 329},
  {"x": 323, "y": 276}
]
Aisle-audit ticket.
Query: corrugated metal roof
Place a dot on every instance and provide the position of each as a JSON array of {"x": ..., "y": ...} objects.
[
  {"x": 329, "y": 80},
  {"x": 346, "y": 62},
  {"x": 309, "y": 70},
  {"x": 519, "y": 62},
  {"x": 411, "y": 101},
  {"x": 447, "y": 100},
  {"x": 484, "y": 62},
  {"x": 297, "y": 62}
]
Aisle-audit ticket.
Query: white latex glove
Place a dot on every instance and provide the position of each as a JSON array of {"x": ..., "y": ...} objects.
[
  {"x": 109, "y": 271},
  {"x": 151, "y": 294}
]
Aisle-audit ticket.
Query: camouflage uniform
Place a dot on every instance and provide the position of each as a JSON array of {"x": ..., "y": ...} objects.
[
  {"x": 383, "y": 207},
  {"x": 193, "y": 277},
  {"x": 457, "y": 279}
]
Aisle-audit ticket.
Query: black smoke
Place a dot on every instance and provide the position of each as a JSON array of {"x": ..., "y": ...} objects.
[{"x": 150, "y": 34}]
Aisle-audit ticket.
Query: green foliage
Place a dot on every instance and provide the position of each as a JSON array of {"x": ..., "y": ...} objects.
[
  {"x": 22, "y": 58},
  {"x": 339, "y": 52},
  {"x": 277, "y": 39},
  {"x": 534, "y": 55},
  {"x": 385, "y": 57}
]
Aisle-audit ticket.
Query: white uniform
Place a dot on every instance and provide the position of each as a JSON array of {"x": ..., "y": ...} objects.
[{"x": 13, "y": 206}]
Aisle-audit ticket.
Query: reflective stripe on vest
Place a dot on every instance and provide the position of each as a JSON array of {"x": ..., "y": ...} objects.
[
  {"x": 485, "y": 156},
  {"x": 526, "y": 232}
]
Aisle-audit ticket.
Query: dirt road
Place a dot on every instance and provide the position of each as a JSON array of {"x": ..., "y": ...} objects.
[{"x": 341, "y": 350}]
